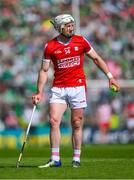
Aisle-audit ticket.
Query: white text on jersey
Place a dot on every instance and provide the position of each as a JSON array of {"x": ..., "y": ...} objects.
[{"x": 69, "y": 62}]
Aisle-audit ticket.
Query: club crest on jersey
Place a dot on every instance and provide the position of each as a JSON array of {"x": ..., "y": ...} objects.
[
  {"x": 67, "y": 50},
  {"x": 76, "y": 48}
]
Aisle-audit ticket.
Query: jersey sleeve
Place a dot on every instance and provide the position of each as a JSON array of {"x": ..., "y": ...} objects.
[
  {"x": 46, "y": 55},
  {"x": 87, "y": 45}
]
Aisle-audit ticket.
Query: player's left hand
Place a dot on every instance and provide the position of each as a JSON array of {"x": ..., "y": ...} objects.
[{"x": 113, "y": 82}]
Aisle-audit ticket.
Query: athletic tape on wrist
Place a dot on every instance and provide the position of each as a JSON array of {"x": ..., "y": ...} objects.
[{"x": 109, "y": 75}]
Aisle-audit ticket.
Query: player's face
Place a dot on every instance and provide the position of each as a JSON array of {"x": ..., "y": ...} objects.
[{"x": 69, "y": 29}]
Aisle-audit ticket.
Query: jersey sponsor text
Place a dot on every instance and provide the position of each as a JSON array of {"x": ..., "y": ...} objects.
[{"x": 69, "y": 62}]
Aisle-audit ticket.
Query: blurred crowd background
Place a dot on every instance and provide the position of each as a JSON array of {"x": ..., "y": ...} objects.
[{"x": 24, "y": 29}]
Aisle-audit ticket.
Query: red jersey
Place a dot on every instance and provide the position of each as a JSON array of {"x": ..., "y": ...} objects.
[{"x": 67, "y": 60}]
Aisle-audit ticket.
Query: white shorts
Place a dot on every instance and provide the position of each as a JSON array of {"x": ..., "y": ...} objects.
[{"x": 75, "y": 97}]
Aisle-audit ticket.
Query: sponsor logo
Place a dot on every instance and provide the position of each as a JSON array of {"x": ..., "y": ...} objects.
[
  {"x": 58, "y": 52},
  {"x": 69, "y": 62}
]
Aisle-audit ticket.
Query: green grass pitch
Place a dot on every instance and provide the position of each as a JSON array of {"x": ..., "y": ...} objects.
[{"x": 97, "y": 162}]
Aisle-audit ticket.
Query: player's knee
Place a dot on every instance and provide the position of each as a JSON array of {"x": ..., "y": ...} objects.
[
  {"x": 77, "y": 122},
  {"x": 54, "y": 122}
]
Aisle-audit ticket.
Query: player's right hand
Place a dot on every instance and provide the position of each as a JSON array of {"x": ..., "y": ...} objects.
[{"x": 36, "y": 98}]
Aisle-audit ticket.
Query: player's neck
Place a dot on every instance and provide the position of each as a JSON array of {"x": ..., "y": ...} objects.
[{"x": 64, "y": 39}]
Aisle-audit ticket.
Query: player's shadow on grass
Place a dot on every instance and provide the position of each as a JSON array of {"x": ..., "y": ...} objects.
[
  {"x": 27, "y": 166},
  {"x": 14, "y": 166}
]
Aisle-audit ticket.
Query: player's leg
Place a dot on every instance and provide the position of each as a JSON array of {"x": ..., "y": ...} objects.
[
  {"x": 77, "y": 124},
  {"x": 77, "y": 103},
  {"x": 56, "y": 112}
]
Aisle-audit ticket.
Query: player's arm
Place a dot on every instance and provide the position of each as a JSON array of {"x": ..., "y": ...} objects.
[
  {"x": 42, "y": 76},
  {"x": 42, "y": 79},
  {"x": 102, "y": 65}
]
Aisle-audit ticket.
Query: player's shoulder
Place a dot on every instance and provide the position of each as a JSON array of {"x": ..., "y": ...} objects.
[
  {"x": 78, "y": 36},
  {"x": 52, "y": 41},
  {"x": 50, "y": 44}
]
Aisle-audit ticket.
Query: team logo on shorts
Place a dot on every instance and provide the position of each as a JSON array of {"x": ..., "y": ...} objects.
[{"x": 82, "y": 101}]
